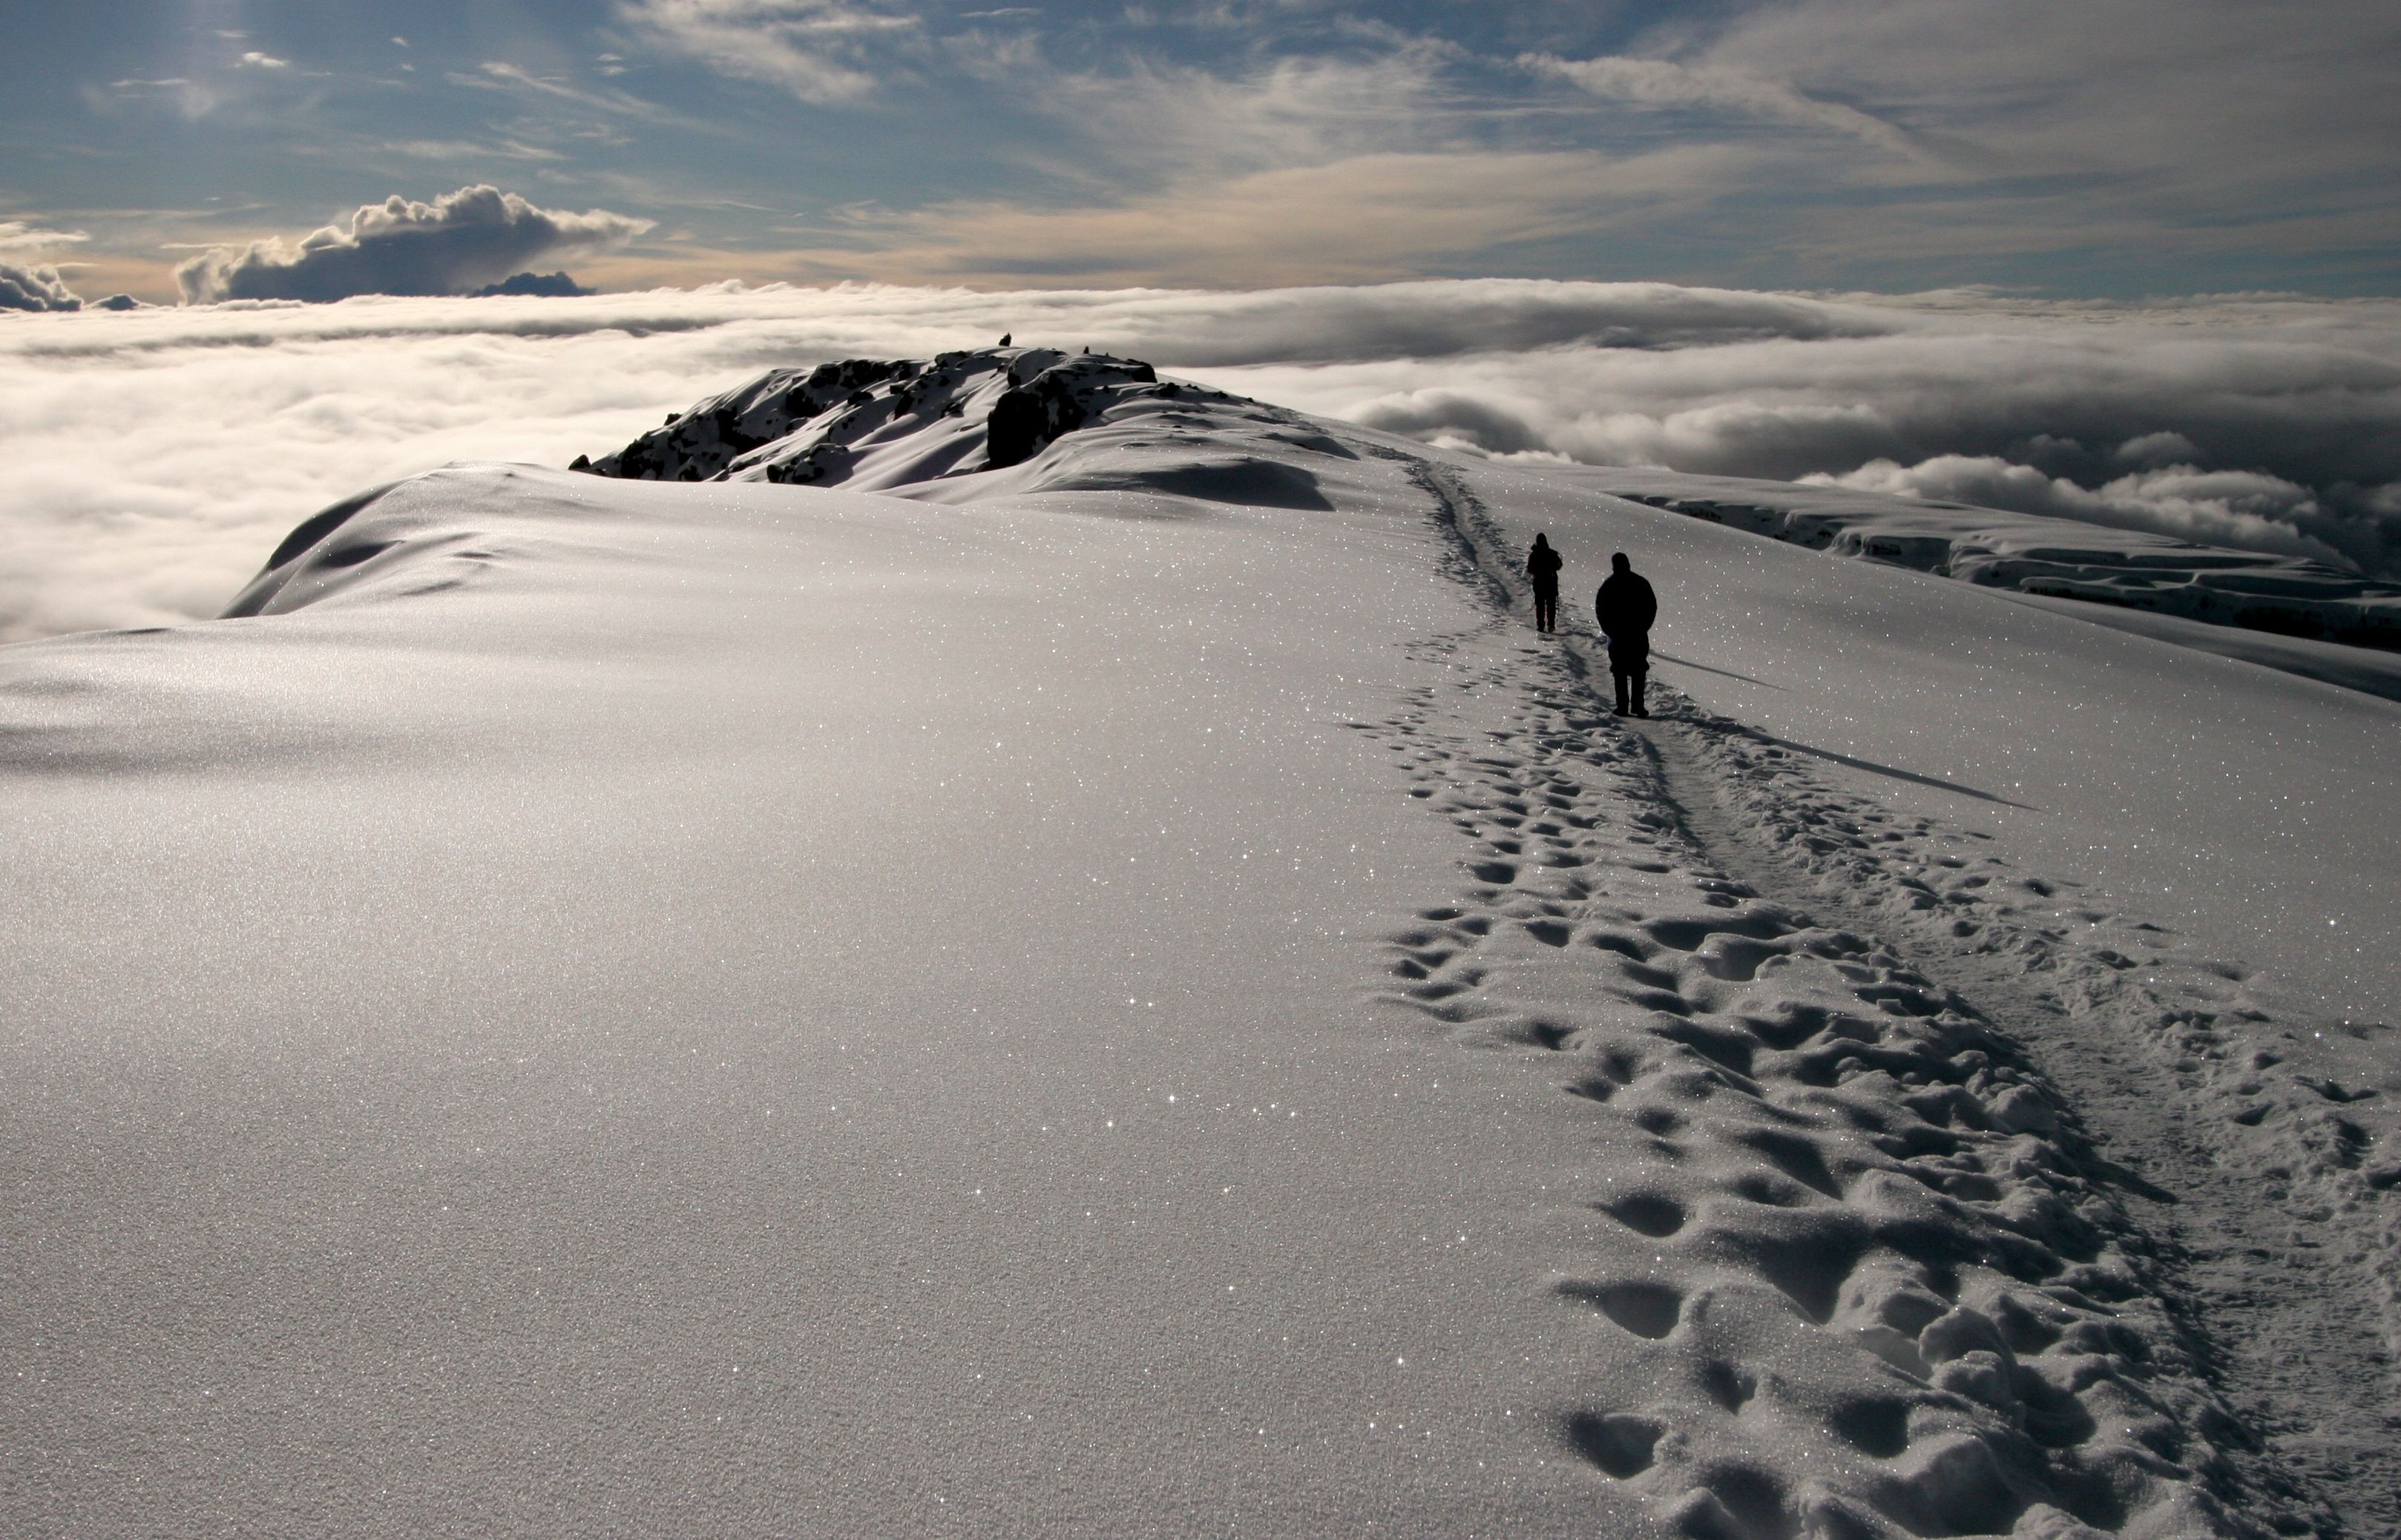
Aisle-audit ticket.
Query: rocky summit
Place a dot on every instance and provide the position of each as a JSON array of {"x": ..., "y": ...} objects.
[{"x": 962, "y": 413}]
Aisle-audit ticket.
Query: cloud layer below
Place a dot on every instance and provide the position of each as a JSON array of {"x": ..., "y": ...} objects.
[
  {"x": 163, "y": 453},
  {"x": 459, "y": 243}
]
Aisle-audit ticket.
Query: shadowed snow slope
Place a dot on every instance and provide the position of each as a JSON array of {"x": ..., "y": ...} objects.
[{"x": 1121, "y": 991}]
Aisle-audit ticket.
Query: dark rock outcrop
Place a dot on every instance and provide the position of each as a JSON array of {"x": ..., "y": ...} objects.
[
  {"x": 1016, "y": 428},
  {"x": 811, "y": 427},
  {"x": 1057, "y": 401}
]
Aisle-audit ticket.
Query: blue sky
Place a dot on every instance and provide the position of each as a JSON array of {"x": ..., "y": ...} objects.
[{"x": 2096, "y": 149}]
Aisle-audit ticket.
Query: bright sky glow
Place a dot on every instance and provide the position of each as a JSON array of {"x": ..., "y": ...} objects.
[{"x": 2119, "y": 148}]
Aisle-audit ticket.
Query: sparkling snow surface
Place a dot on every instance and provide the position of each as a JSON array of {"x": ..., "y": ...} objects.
[{"x": 1030, "y": 1003}]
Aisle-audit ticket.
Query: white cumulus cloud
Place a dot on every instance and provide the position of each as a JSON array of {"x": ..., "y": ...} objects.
[
  {"x": 35, "y": 287},
  {"x": 456, "y": 244}
]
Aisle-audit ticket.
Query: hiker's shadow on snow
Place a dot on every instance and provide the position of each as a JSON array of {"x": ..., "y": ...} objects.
[
  {"x": 2133, "y": 1181},
  {"x": 1873, "y": 769},
  {"x": 1938, "y": 783},
  {"x": 1722, "y": 673}
]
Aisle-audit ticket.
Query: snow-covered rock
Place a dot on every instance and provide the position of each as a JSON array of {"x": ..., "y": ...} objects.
[{"x": 879, "y": 423}]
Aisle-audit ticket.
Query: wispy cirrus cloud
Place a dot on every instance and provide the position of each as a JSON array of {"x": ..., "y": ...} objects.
[
  {"x": 1360, "y": 218},
  {"x": 1152, "y": 123},
  {"x": 1296, "y": 171},
  {"x": 455, "y": 150},
  {"x": 495, "y": 75},
  {"x": 189, "y": 99},
  {"x": 17, "y": 237},
  {"x": 814, "y": 49},
  {"x": 1663, "y": 83},
  {"x": 2204, "y": 107},
  {"x": 2110, "y": 146}
]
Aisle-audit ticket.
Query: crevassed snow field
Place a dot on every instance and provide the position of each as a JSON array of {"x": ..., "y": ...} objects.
[{"x": 1131, "y": 992}]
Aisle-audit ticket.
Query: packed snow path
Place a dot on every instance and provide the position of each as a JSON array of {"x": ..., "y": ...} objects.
[
  {"x": 2091, "y": 1366},
  {"x": 1124, "y": 993},
  {"x": 2298, "y": 1346}
]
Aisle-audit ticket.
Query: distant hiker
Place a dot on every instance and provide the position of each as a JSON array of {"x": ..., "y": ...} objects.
[
  {"x": 1626, "y": 607},
  {"x": 1543, "y": 564}
]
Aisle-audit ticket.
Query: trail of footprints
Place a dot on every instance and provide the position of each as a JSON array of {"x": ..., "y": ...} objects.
[
  {"x": 2281, "y": 1216},
  {"x": 2197, "y": 1014},
  {"x": 1852, "y": 1271}
]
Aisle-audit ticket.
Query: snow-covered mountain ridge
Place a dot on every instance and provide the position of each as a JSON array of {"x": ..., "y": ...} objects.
[
  {"x": 876, "y": 423},
  {"x": 1123, "y": 991},
  {"x": 884, "y": 424}
]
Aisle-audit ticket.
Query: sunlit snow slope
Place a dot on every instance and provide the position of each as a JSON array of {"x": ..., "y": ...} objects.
[{"x": 1083, "y": 970}]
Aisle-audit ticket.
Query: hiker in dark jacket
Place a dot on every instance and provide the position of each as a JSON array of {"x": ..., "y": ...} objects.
[
  {"x": 1626, "y": 607},
  {"x": 1543, "y": 564}
]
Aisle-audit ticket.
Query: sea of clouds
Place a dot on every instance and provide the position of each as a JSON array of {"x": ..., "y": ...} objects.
[{"x": 156, "y": 456}]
